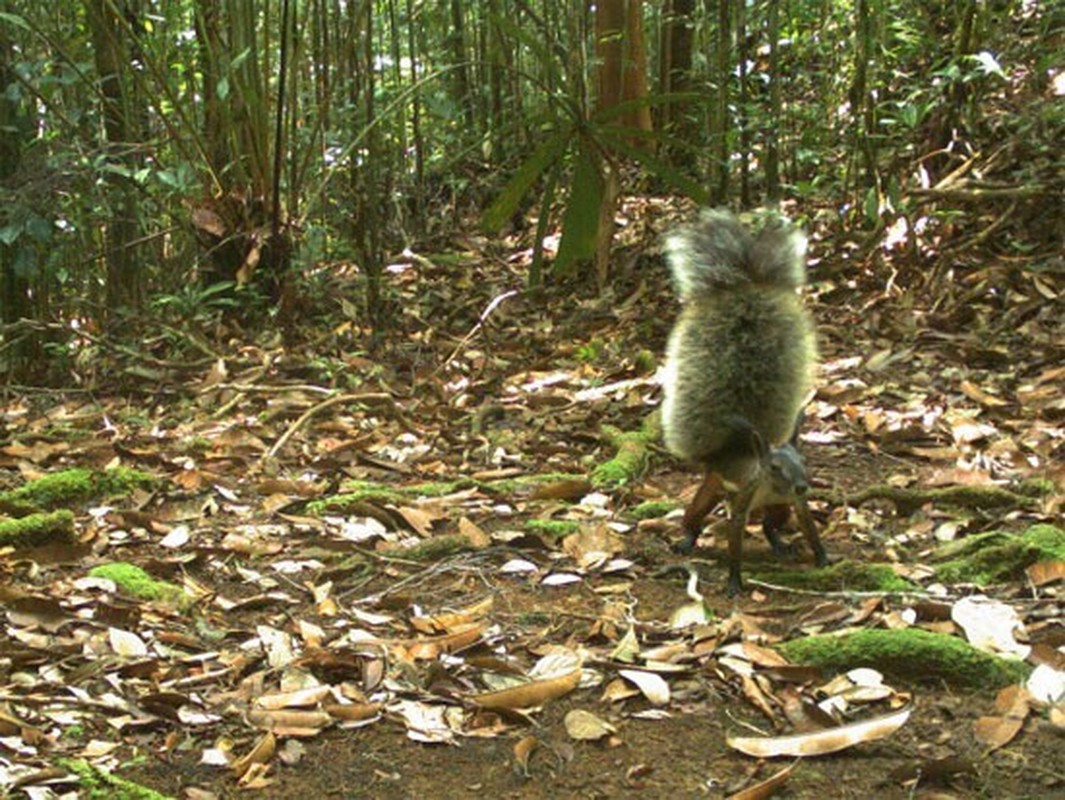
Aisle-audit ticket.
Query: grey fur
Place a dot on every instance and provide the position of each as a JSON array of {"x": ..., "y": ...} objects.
[{"x": 743, "y": 350}]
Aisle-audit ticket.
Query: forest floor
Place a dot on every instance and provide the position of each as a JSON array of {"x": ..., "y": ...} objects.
[{"x": 323, "y": 648}]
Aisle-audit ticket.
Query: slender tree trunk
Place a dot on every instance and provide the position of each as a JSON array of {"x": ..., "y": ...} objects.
[
  {"x": 776, "y": 111},
  {"x": 719, "y": 121},
  {"x": 456, "y": 41},
  {"x": 743, "y": 115},
  {"x": 675, "y": 64},
  {"x": 861, "y": 106},
  {"x": 609, "y": 44},
  {"x": 122, "y": 111}
]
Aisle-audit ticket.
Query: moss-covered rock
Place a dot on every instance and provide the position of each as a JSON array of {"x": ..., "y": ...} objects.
[
  {"x": 435, "y": 548},
  {"x": 38, "y": 529},
  {"x": 911, "y": 655},
  {"x": 652, "y": 509},
  {"x": 72, "y": 487},
  {"x": 552, "y": 528},
  {"x": 997, "y": 557},
  {"x": 631, "y": 457},
  {"x": 843, "y": 576}
]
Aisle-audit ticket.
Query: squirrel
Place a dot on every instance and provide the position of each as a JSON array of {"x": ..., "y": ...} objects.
[{"x": 739, "y": 364}]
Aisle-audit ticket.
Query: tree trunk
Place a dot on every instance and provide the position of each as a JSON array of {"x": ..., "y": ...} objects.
[
  {"x": 719, "y": 120},
  {"x": 772, "y": 131},
  {"x": 113, "y": 49},
  {"x": 675, "y": 64}
]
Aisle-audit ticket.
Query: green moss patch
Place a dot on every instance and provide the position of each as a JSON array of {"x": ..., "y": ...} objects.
[
  {"x": 38, "y": 529},
  {"x": 843, "y": 576},
  {"x": 652, "y": 509},
  {"x": 73, "y": 487},
  {"x": 998, "y": 557},
  {"x": 631, "y": 457},
  {"x": 911, "y": 655},
  {"x": 134, "y": 581},
  {"x": 552, "y": 528},
  {"x": 99, "y": 785}
]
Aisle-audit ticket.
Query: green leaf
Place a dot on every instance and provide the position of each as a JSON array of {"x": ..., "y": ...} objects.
[
  {"x": 580, "y": 223},
  {"x": 39, "y": 229},
  {"x": 506, "y": 204},
  {"x": 9, "y": 233},
  {"x": 15, "y": 20}
]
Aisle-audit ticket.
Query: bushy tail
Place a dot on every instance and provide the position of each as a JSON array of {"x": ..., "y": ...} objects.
[{"x": 717, "y": 252}]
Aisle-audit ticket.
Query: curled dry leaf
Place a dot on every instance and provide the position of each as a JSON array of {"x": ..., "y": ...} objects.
[
  {"x": 1043, "y": 573},
  {"x": 766, "y": 788},
  {"x": 523, "y": 751},
  {"x": 352, "y": 712},
  {"x": 821, "y": 742},
  {"x": 1046, "y": 685},
  {"x": 529, "y": 695},
  {"x": 654, "y": 688},
  {"x": 474, "y": 534},
  {"x": 260, "y": 754},
  {"x": 290, "y": 721},
  {"x": 300, "y": 698},
  {"x": 127, "y": 644},
  {"x": 989, "y": 625},
  {"x": 462, "y": 636},
  {"x": 586, "y": 726}
]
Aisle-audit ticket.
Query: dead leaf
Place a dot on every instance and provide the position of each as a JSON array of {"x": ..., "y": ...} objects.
[
  {"x": 586, "y": 726},
  {"x": 523, "y": 751},
  {"x": 477, "y": 537},
  {"x": 823, "y": 742},
  {"x": 570, "y": 489},
  {"x": 419, "y": 520},
  {"x": 352, "y": 712},
  {"x": 261, "y": 753},
  {"x": 293, "y": 723},
  {"x": 1045, "y": 573},
  {"x": 766, "y": 788},
  {"x": 127, "y": 644},
  {"x": 529, "y": 695},
  {"x": 974, "y": 392},
  {"x": 299, "y": 698},
  {"x": 654, "y": 688}
]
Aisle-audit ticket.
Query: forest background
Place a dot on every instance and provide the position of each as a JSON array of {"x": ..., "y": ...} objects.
[{"x": 154, "y": 155}]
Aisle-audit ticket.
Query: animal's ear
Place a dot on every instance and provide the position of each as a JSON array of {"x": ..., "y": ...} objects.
[
  {"x": 800, "y": 418},
  {"x": 758, "y": 444}
]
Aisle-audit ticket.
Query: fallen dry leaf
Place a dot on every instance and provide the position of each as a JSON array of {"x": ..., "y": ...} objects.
[
  {"x": 586, "y": 726},
  {"x": 529, "y": 695},
  {"x": 820, "y": 743},
  {"x": 766, "y": 788}
]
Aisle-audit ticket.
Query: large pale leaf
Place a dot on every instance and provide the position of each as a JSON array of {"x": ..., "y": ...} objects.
[{"x": 818, "y": 743}]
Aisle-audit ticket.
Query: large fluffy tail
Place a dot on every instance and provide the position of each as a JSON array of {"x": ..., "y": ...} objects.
[{"x": 717, "y": 252}]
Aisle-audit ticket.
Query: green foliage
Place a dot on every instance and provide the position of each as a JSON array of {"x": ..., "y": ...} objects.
[
  {"x": 653, "y": 509},
  {"x": 405, "y": 128},
  {"x": 200, "y": 304}
]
